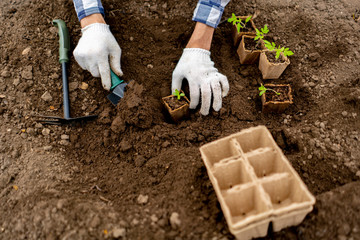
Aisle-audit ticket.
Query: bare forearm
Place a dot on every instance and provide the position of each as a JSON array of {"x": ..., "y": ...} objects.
[{"x": 201, "y": 37}]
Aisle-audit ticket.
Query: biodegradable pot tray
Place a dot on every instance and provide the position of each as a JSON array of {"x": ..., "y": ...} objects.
[
  {"x": 255, "y": 183},
  {"x": 248, "y": 56},
  {"x": 237, "y": 35},
  {"x": 271, "y": 70},
  {"x": 177, "y": 113},
  {"x": 276, "y": 106}
]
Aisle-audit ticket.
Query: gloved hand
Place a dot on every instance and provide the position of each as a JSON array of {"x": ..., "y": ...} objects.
[
  {"x": 196, "y": 66},
  {"x": 97, "y": 46}
]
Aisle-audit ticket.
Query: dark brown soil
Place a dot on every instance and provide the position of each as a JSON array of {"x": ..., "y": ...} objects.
[
  {"x": 131, "y": 174},
  {"x": 251, "y": 45},
  {"x": 272, "y": 57},
  {"x": 175, "y": 103},
  {"x": 272, "y": 96}
]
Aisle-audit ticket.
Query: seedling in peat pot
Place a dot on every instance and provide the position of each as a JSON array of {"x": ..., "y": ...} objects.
[
  {"x": 238, "y": 22},
  {"x": 251, "y": 46},
  {"x": 178, "y": 94},
  {"x": 270, "y": 64},
  {"x": 177, "y": 105},
  {"x": 241, "y": 25},
  {"x": 272, "y": 47},
  {"x": 263, "y": 90}
]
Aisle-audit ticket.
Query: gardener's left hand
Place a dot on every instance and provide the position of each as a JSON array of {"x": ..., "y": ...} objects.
[{"x": 196, "y": 66}]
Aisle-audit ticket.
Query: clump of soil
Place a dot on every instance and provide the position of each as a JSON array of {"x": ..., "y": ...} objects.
[
  {"x": 251, "y": 45},
  {"x": 272, "y": 57},
  {"x": 282, "y": 97},
  {"x": 136, "y": 108},
  {"x": 174, "y": 103}
]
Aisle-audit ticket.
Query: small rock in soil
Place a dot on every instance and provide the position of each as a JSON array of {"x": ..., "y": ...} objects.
[
  {"x": 5, "y": 74},
  {"x": 45, "y": 131},
  {"x": 65, "y": 137},
  {"x": 344, "y": 113},
  {"x": 119, "y": 232},
  {"x": 154, "y": 218},
  {"x": 46, "y": 97},
  {"x": 142, "y": 199},
  {"x": 47, "y": 148},
  {"x": 16, "y": 81},
  {"x": 125, "y": 146},
  {"x": 64, "y": 142},
  {"x": 139, "y": 161},
  {"x": 118, "y": 125},
  {"x": 84, "y": 86},
  {"x": 165, "y": 144},
  {"x": 73, "y": 86},
  {"x": 26, "y": 51},
  {"x": 27, "y": 73},
  {"x": 175, "y": 220}
]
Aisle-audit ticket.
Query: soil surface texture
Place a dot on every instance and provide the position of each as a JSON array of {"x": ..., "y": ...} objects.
[
  {"x": 251, "y": 45},
  {"x": 272, "y": 57},
  {"x": 131, "y": 173},
  {"x": 273, "y": 96}
]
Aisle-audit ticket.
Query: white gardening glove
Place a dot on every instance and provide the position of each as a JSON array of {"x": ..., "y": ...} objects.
[
  {"x": 97, "y": 46},
  {"x": 196, "y": 66}
]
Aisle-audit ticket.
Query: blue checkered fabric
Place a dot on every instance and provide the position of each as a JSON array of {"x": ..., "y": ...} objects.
[
  {"x": 209, "y": 12},
  {"x": 87, "y": 7}
]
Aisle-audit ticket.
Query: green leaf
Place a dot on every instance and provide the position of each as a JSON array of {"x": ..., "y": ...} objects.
[
  {"x": 288, "y": 53},
  {"x": 277, "y": 54},
  {"x": 257, "y": 31},
  {"x": 262, "y": 92},
  {"x": 182, "y": 94},
  {"x": 265, "y": 30},
  {"x": 262, "y": 88},
  {"x": 256, "y": 38},
  {"x": 238, "y": 27},
  {"x": 248, "y": 18},
  {"x": 277, "y": 93}
]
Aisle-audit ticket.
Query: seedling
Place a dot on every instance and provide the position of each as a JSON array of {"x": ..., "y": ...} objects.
[
  {"x": 272, "y": 47},
  {"x": 178, "y": 94},
  {"x": 261, "y": 34},
  {"x": 263, "y": 90},
  {"x": 238, "y": 22}
]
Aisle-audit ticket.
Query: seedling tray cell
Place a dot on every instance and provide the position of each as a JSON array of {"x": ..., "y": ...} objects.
[
  {"x": 255, "y": 183},
  {"x": 222, "y": 150}
]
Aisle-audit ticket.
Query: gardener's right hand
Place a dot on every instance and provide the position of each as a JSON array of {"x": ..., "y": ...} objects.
[{"x": 97, "y": 51}]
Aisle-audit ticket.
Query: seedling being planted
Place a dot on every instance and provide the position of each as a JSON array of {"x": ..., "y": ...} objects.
[
  {"x": 177, "y": 105},
  {"x": 263, "y": 90},
  {"x": 275, "y": 97},
  {"x": 242, "y": 25},
  {"x": 178, "y": 94}
]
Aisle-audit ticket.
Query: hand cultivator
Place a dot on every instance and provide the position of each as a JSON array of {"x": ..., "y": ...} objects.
[{"x": 64, "y": 59}]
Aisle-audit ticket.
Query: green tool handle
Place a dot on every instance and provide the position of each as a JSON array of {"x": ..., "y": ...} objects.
[
  {"x": 64, "y": 40},
  {"x": 115, "y": 80}
]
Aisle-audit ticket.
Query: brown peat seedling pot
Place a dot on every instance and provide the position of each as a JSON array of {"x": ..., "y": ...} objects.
[
  {"x": 177, "y": 109},
  {"x": 248, "y": 50},
  {"x": 272, "y": 102},
  {"x": 248, "y": 30},
  {"x": 270, "y": 67}
]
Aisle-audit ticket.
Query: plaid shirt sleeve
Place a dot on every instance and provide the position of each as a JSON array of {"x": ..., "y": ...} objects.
[
  {"x": 85, "y": 8},
  {"x": 209, "y": 11}
]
